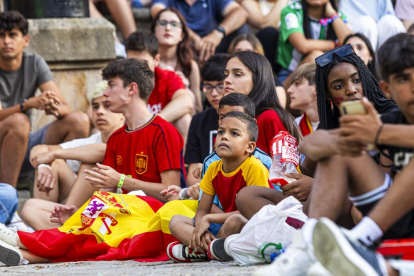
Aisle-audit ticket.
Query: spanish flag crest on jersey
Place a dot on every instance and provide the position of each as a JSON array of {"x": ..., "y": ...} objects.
[{"x": 111, "y": 227}]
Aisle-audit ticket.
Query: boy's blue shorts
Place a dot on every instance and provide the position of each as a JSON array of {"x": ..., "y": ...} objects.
[{"x": 214, "y": 227}]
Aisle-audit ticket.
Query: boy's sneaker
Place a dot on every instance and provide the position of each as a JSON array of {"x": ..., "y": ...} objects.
[
  {"x": 181, "y": 253},
  {"x": 341, "y": 254},
  {"x": 10, "y": 255},
  {"x": 18, "y": 223},
  {"x": 295, "y": 261},
  {"x": 218, "y": 251},
  {"x": 8, "y": 235}
]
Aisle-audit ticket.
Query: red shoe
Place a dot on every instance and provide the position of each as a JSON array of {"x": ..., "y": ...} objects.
[{"x": 181, "y": 253}]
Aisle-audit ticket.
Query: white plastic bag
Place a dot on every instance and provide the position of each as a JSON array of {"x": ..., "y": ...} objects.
[{"x": 269, "y": 231}]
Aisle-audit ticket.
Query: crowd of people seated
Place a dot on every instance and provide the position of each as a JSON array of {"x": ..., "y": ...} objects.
[{"x": 188, "y": 111}]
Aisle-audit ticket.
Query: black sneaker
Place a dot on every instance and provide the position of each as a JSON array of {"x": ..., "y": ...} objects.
[
  {"x": 10, "y": 255},
  {"x": 339, "y": 253},
  {"x": 218, "y": 252},
  {"x": 181, "y": 253}
]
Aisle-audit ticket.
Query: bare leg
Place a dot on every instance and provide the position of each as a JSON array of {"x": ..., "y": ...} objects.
[
  {"x": 32, "y": 258},
  {"x": 14, "y": 136},
  {"x": 36, "y": 214},
  {"x": 251, "y": 199},
  {"x": 233, "y": 225},
  {"x": 81, "y": 190},
  {"x": 182, "y": 228},
  {"x": 122, "y": 14},
  {"x": 73, "y": 126},
  {"x": 333, "y": 177}
]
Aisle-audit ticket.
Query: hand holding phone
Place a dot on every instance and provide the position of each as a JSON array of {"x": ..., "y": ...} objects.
[{"x": 354, "y": 108}]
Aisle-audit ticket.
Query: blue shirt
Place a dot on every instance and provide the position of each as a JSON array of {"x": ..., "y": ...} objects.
[
  {"x": 202, "y": 17},
  {"x": 374, "y": 8},
  {"x": 258, "y": 153}
]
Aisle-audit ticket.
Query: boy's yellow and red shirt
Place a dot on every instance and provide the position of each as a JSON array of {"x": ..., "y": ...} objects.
[{"x": 251, "y": 172}]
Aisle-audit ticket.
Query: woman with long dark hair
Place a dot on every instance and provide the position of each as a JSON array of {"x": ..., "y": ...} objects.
[
  {"x": 363, "y": 48},
  {"x": 251, "y": 74},
  {"x": 170, "y": 28}
]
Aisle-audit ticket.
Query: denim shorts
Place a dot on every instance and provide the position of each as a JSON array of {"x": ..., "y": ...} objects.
[
  {"x": 283, "y": 74},
  {"x": 8, "y": 202},
  {"x": 214, "y": 227},
  {"x": 35, "y": 138}
]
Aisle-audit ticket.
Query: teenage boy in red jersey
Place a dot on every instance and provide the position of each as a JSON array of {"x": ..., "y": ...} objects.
[
  {"x": 169, "y": 98},
  {"x": 145, "y": 154}
]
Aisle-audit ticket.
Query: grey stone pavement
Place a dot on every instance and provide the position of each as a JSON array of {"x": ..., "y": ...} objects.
[{"x": 112, "y": 268}]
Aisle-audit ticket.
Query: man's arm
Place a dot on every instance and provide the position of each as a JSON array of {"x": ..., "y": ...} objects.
[
  {"x": 319, "y": 144},
  {"x": 169, "y": 177},
  {"x": 180, "y": 105},
  {"x": 89, "y": 154},
  {"x": 105, "y": 177},
  {"x": 234, "y": 17},
  {"x": 59, "y": 110}
]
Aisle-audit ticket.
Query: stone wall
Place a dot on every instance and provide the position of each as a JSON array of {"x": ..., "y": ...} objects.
[{"x": 76, "y": 50}]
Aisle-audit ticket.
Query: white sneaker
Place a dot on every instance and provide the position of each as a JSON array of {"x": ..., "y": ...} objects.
[
  {"x": 10, "y": 255},
  {"x": 317, "y": 269},
  {"x": 8, "y": 235},
  {"x": 295, "y": 261},
  {"x": 17, "y": 223}
]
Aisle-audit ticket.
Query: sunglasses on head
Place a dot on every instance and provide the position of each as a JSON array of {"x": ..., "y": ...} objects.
[{"x": 342, "y": 51}]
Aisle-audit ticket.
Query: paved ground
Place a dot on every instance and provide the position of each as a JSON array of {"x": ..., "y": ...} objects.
[{"x": 129, "y": 268}]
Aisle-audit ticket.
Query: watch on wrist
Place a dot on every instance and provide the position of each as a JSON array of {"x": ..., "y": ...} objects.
[
  {"x": 22, "y": 107},
  {"x": 221, "y": 30}
]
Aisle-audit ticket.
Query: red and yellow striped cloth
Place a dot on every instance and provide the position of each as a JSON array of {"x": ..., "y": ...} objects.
[{"x": 111, "y": 227}]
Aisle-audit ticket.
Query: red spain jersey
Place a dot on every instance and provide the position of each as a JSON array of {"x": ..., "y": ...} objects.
[
  {"x": 144, "y": 153},
  {"x": 269, "y": 125},
  {"x": 251, "y": 172},
  {"x": 166, "y": 84}
]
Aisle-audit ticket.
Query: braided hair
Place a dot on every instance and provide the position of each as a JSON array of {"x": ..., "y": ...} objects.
[{"x": 328, "y": 113}]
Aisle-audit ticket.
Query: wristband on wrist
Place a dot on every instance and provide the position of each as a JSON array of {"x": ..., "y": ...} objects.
[
  {"x": 121, "y": 181},
  {"x": 326, "y": 21},
  {"x": 378, "y": 134},
  {"x": 44, "y": 166},
  {"x": 335, "y": 16},
  {"x": 22, "y": 106},
  {"x": 183, "y": 194}
]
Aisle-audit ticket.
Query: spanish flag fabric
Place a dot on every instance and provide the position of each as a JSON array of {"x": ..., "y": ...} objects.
[
  {"x": 111, "y": 227},
  {"x": 400, "y": 248}
]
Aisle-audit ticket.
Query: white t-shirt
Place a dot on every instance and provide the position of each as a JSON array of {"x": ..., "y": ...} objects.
[
  {"x": 313, "y": 124},
  {"x": 93, "y": 139}
]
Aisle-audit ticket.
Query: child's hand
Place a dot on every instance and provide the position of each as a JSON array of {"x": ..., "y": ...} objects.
[
  {"x": 199, "y": 231},
  {"x": 194, "y": 191},
  {"x": 300, "y": 188},
  {"x": 171, "y": 193},
  {"x": 206, "y": 239},
  {"x": 197, "y": 171}
]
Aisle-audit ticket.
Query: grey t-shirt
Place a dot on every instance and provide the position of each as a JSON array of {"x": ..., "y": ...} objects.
[{"x": 22, "y": 84}]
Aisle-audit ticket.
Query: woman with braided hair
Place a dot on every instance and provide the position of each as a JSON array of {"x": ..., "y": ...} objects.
[{"x": 342, "y": 76}]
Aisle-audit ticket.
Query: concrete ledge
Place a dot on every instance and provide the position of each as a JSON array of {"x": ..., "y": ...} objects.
[{"x": 72, "y": 39}]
